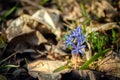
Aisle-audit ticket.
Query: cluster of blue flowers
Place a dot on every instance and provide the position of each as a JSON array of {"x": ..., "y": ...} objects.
[{"x": 76, "y": 40}]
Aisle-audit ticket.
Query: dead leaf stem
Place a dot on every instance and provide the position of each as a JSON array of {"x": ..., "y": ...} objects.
[{"x": 9, "y": 57}]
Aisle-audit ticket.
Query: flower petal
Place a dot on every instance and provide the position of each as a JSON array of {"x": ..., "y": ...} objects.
[
  {"x": 79, "y": 30},
  {"x": 83, "y": 46},
  {"x": 80, "y": 51},
  {"x": 74, "y": 51}
]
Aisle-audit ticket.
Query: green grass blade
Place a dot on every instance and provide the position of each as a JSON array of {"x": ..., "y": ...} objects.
[
  {"x": 2, "y": 42},
  {"x": 86, "y": 64},
  {"x": 8, "y": 66},
  {"x": 8, "y": 13},
  {"x": 113, "y": 35},
  {"x": 84, "y": 13},
  {"x": 61, "y": 68},
  {"x": 43, "y": 2}
]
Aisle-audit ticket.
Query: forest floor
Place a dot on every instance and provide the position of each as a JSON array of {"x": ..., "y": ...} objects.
[{"x": 33, "y": 36}]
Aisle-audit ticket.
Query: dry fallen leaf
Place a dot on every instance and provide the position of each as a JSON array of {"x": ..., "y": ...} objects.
[
  {"x": 49, "y": 18},
  {"x": 27, "y": 41},
  {"x": 2, "y": 77},
  {"x": 103, "y": 27},
  {"x": 71, "y": 10},
  {"x": 111, "y": 64},
  {"x": 22, "y": 25},
  {"x": 103, "y": 9},
  {"x": 81, "y": 75},
  {"x": 42, "y": 20},
  {"x": 43, "y": 69}
]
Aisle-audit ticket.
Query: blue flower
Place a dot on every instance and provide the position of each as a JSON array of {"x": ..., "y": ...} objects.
[
  {"x": 76, "y": 33},
  {"x": 78, "y": 49},
  {"x": 80, "y": 40},
  {"x": 69, "y": 41},
  {"x": 76, "y": 40}
]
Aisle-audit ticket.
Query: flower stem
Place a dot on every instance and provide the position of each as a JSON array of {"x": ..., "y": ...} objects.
[{"x": 75, "y": 58}]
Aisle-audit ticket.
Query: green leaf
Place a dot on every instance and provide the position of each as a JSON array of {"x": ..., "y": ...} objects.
[
  {"x": 86, "y": 64},
  {"x": 84, "y": 13},
  {"x": 9, "y": 66},
  {"x": 61, "y": 68},
  {"x": 113, "y": 35},
  {"x": 43, "y": 2},
  {"x": 8, "y": 13},
  {"x": 2, "y": 42}
]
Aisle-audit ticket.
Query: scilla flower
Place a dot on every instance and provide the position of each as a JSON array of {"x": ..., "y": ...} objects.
[{"x": 76, "y": 40}]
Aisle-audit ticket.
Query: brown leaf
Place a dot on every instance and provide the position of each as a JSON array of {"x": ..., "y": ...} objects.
[
  {"x": 71, "y": 10},
  {"x": 21, "y": 25},
  {"x": 81, "y": 75},
  {"x": 2, "y": 77},
  {"x": 50, "y": 18},
  {"x": 27, "y": 41},
  {"x": 111, "y": 64},
  {"x": 103, "y": 9},
  {"x": 43, "y": 69},
  {"x": 103, "y": 27}
]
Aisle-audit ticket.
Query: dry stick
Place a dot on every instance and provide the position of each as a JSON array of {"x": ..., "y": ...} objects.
[
  {"x": 32, "y": 3},
  {"x": 76, "y": 61},
  {"x": 9, "y": 57}
]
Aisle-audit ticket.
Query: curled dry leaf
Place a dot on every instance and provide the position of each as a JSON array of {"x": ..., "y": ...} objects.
[
  {"x": 21, "y": 34},
  {"x": 81, "y": 75},
  {"x": 42, "y": 20},
  {"x": 43, "y": 69},
  {"x": 104, "y": 27},
  {"x": 49, "y": 18},
  {"x": 56, "y": 51},
  {"x": 92, "y": 75},
  {"x": 25, "y": 24},
  {"x": 111, "y": 64},
  {"x": 2, "y": 77},
  {"x": 103, "y": 9},
  {"x": 28, "y": 40},
  {"x": 71, "y": 9}
]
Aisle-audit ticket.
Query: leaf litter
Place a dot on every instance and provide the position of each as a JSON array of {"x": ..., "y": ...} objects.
[{"x": 34, "y": 40}]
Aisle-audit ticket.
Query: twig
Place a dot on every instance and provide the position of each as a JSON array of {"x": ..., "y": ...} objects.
[
  {"x": 9, "y": 57},
  {"x": 32, "y": 3}
]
